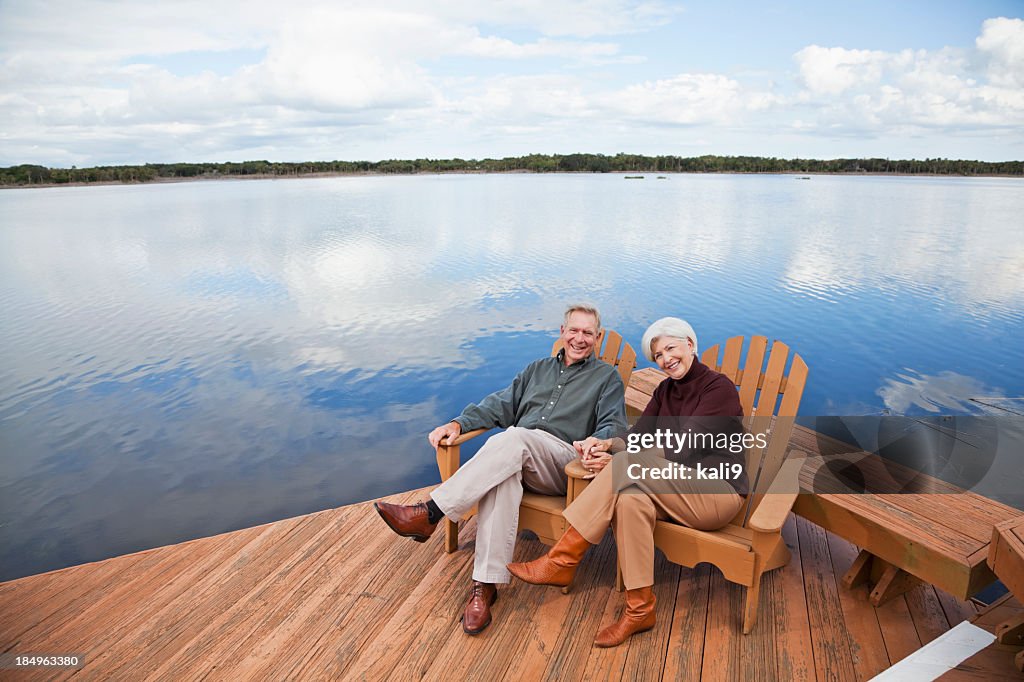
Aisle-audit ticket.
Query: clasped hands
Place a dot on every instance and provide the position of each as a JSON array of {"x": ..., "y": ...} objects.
[{"x": 594, "y": 454}]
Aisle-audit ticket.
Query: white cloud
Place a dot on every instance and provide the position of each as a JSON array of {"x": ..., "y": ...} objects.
[
  {"x": 833, "y": 70},
  {"x": 870, "y": 91},
  {"x": 1002, "y": 41},
  {"x": 92, "y": 82},
  {"x": 689, "y": 99}
]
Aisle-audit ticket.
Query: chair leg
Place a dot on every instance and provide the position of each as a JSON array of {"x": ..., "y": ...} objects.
[
  {"x": 451, "y": 535},
  {"x": 750, "y": 609},
  {"x": 448, "y": 464}
]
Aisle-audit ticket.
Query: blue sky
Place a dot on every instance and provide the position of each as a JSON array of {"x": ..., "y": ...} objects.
[{"x": 89, "y": 82}]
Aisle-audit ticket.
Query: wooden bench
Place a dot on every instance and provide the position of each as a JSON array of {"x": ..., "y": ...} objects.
[
  {"x": 932, "y": 531},
  {"x": 940, "y": 534},
  {"x": 1006, "y": 558}
]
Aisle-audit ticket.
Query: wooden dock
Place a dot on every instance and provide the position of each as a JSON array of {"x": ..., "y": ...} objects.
[{"x": 335, "y": 595}]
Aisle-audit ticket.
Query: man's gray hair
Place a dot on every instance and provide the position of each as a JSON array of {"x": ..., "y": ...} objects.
[
  {"x": 583, "y": 308},
  {"x": 667, "y": 326}
]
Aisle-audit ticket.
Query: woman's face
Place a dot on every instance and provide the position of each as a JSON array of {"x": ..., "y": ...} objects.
[{"x": 674, "y": 356}]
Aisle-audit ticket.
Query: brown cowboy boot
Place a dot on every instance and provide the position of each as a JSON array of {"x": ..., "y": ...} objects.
[
  {"x": 477, "y": 615},
  {"x": 558, "y": 566},
  {"x": 638, "y": 617}
]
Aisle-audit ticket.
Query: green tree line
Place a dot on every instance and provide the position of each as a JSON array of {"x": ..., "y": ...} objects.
[{"x": 27, "y": 174}]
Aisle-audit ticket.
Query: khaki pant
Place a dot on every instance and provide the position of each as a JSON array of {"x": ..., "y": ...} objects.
[
  {"x": 632, "y": 508},
  {"x": 494, "y": 479}
]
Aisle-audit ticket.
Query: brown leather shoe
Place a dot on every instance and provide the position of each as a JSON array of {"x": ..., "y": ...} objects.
[
  {"x": 638, "y": 617},
  {"x": 409, "y": 521},
  {"x": 558, "y": 566},
  {"x": 477, "y": 615}
]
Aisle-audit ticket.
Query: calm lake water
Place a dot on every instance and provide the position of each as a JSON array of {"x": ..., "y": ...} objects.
[{"x": 182, "y": 360}]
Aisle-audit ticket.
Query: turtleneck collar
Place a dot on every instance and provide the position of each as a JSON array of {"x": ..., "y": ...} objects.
[{"x": 697, "y": 370}]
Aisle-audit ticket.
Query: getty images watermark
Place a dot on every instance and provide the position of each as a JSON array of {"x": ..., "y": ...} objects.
[{"x": 675, "y": 445}]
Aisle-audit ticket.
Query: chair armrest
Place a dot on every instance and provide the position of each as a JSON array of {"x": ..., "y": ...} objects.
[
  {"x": 776, "y": 504},
  {"x": 574, "y": 469},
  {"x": 771, "y": 514},
  {"x": 462, "y": 438},
  {"x": 448, "y": 461}
]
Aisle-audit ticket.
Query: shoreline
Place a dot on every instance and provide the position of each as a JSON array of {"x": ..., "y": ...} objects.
[{"x": 346, "y": 174}]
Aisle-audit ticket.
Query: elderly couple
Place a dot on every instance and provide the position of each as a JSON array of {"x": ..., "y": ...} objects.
[{"x": 557, "y": 409}]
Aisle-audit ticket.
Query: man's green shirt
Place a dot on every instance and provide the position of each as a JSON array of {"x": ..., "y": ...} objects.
[{"x": 584, "y": 399}]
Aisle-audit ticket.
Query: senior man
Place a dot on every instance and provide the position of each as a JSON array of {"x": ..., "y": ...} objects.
[{"x": 552, "y": 405}]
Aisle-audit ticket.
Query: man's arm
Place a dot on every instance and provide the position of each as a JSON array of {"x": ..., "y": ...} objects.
[
  {"x": 611, "y": 408},
  {"x": 498, "y": 409}
]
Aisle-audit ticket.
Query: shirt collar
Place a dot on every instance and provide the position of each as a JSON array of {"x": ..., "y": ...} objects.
[{"x": 582, "y": 363}]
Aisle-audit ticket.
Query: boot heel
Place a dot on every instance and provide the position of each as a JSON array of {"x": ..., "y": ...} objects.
[{"x": 568, "y": 588}]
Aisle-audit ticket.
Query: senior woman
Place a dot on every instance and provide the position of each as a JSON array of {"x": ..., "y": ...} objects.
[{"x": 632, "y": 504}]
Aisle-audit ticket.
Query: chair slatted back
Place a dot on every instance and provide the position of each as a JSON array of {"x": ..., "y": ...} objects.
[
  {"x": 760, "y": 393},
  {"x": 610, "y": 348}
]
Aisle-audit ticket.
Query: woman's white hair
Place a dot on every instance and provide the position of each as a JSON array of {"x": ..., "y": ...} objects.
[{"x": 667, "y": 326}]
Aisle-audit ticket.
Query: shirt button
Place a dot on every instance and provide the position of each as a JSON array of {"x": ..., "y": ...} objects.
[
  {"x": 543, "y": 417},
  {"x": 559, "y": 385},
  {"x": 552, "y": 402}
]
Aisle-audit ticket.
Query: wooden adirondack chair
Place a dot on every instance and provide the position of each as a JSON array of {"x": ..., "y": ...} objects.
[
  {"x": 752, "y": 543},
  {"x": 540, "y": 513}
]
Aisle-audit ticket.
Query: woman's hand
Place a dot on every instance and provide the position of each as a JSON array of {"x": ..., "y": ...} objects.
[
  {"x": 595, "y": 463},
  {"x": 593, "y": 454}
]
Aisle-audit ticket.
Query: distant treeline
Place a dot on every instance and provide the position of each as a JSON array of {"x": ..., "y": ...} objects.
[{"x": 535, "y": 163}]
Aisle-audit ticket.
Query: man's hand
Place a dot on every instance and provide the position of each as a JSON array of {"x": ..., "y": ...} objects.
[
  {"x": 449, "y": 431},
  {"x": 591, "y": 445}
]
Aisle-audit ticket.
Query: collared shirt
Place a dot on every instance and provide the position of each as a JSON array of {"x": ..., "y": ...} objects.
[{"x": 584, "y": 399}]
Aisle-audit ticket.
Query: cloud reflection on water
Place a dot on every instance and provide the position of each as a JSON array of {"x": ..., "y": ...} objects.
[{"x": 181, "y": 360}]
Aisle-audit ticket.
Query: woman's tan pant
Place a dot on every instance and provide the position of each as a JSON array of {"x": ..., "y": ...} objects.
[{"x": 633, "y": 506}]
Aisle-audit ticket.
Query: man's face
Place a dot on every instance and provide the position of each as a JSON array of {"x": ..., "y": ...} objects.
[{"x": 579, "y": 336}]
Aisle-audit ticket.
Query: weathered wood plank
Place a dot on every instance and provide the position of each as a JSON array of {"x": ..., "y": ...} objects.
[
  {"x": 957, "y": 610},
  {"x": 829, "y": 636},
  {"x": 792, "y": 628},
  {"x": 728, "y": 653},
  {"x": 867, "y": 647},
  {"x": 686, "y": 638},
  {"x": 898, "y": 629},
  {"x": 926, "y": 611}
]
